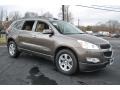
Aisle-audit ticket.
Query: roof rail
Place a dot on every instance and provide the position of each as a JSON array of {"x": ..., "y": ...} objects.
[
  {"x": 52, "y": 18},
  {"x": 40, "y": 17}
]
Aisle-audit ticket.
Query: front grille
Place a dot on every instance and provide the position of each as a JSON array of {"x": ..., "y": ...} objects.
[
  {"x": 108, "y": 54},
  {"x": 105, "y": 46}
]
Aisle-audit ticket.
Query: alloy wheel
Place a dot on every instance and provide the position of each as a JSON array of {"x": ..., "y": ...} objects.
[{"x": 65, "y": 62}]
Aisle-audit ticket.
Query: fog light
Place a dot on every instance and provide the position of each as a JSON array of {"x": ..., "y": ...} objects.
[
  {"x": 93, "y": 60},
  {"x": 111, "y": 61}
]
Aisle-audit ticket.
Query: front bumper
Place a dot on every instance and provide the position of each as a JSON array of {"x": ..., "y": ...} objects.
[
  {"x": 103, "y": 55},
  {"x": 87, "y": 67}
]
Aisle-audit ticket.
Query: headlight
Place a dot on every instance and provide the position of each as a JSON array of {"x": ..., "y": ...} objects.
[{"x": 87, "y": 45}]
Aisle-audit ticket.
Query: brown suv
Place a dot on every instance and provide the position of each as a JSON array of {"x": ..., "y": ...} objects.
[{"x": 67, "y": 46}]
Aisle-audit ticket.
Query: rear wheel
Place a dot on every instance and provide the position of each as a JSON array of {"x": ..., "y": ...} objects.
[
  {"x": 66, "y": 62},
  {"x": 13, "y": 50}
]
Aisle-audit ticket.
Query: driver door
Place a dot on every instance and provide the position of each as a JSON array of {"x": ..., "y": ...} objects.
[{"x": 43, "y": 43}]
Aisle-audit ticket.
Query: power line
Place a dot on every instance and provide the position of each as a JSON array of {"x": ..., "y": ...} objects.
[
  {"x": 98, "y": 8},
  {"x": 108, "y": 7}
]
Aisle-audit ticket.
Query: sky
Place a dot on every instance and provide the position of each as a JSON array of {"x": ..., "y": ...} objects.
[{"x": 87, "y": 16}]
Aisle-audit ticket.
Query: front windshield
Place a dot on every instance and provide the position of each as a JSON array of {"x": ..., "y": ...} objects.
[{"x": 66, "y": 28}]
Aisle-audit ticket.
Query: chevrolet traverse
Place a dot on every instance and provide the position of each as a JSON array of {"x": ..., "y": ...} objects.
[{"x": 63, "y": 43}]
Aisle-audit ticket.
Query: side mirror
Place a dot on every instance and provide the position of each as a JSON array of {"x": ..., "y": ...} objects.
[{"x": 48, "y": 31}]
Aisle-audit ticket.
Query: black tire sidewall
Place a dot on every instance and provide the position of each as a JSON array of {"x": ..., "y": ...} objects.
[
  {"x": 74, "y": 67},
  {"x": 16, "y": 54}
]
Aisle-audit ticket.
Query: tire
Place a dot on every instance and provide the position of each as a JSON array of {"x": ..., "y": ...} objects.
[
  {"x": 66, "y": 62},
  {"x": 13, "y": 50}
]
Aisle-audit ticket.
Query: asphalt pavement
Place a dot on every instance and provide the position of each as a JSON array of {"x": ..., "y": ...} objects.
[{"x": 33, "y": 70}]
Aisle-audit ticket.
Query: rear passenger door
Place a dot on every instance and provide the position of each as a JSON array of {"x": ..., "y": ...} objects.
[{"x": 25, "y": 35}]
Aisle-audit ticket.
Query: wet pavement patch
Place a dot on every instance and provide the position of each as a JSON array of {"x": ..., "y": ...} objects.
[
  {"x": 37, "y": 78},
  {"x": 34, "y": 71},
  {"x": 82, "y": 83}
]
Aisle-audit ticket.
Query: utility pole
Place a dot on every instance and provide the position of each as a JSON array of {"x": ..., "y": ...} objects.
[
  {"x": 67, "y": 11},
  {"x": 63, "y": 12},
  {"x": 78, "y": 22}
]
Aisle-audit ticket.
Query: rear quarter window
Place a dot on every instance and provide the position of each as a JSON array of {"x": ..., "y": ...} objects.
[{"x": 18, "y": 25}]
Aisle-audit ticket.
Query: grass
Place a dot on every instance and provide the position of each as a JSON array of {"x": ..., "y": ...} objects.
[{"x": 2, "y": 40}]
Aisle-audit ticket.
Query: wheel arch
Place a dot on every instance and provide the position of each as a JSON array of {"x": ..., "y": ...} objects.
[
  {"x": 64, "y": 47},
  {"x": 10, "y": 39}
]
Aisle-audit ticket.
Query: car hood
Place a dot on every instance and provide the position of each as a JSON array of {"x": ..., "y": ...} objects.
[{"x": 89, "y": 38}]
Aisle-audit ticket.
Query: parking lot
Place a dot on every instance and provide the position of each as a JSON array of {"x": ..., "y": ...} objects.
[{"x": 30, "y": 69}]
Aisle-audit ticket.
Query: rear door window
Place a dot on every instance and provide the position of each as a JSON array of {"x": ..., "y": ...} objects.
[{"x": 28, "y": 25}]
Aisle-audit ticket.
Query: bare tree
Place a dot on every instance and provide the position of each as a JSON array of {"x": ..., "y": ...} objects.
[
  {"x": 113, "y": 26},
  {"x": 47, "y": 15},
  {"x": 30, "y": 14},
  {"x": 60, "y": 15},
  {"x": 1, "y": 15},
  {"x": 70, "y": 17},
  {"x": 14, "y": 15},
  {"x": 1, "y": 26}
]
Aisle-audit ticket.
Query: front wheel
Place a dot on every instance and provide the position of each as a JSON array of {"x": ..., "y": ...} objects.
[
  {"x": 12, "y": 49},
  {"x": 66, "y": 62}
]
